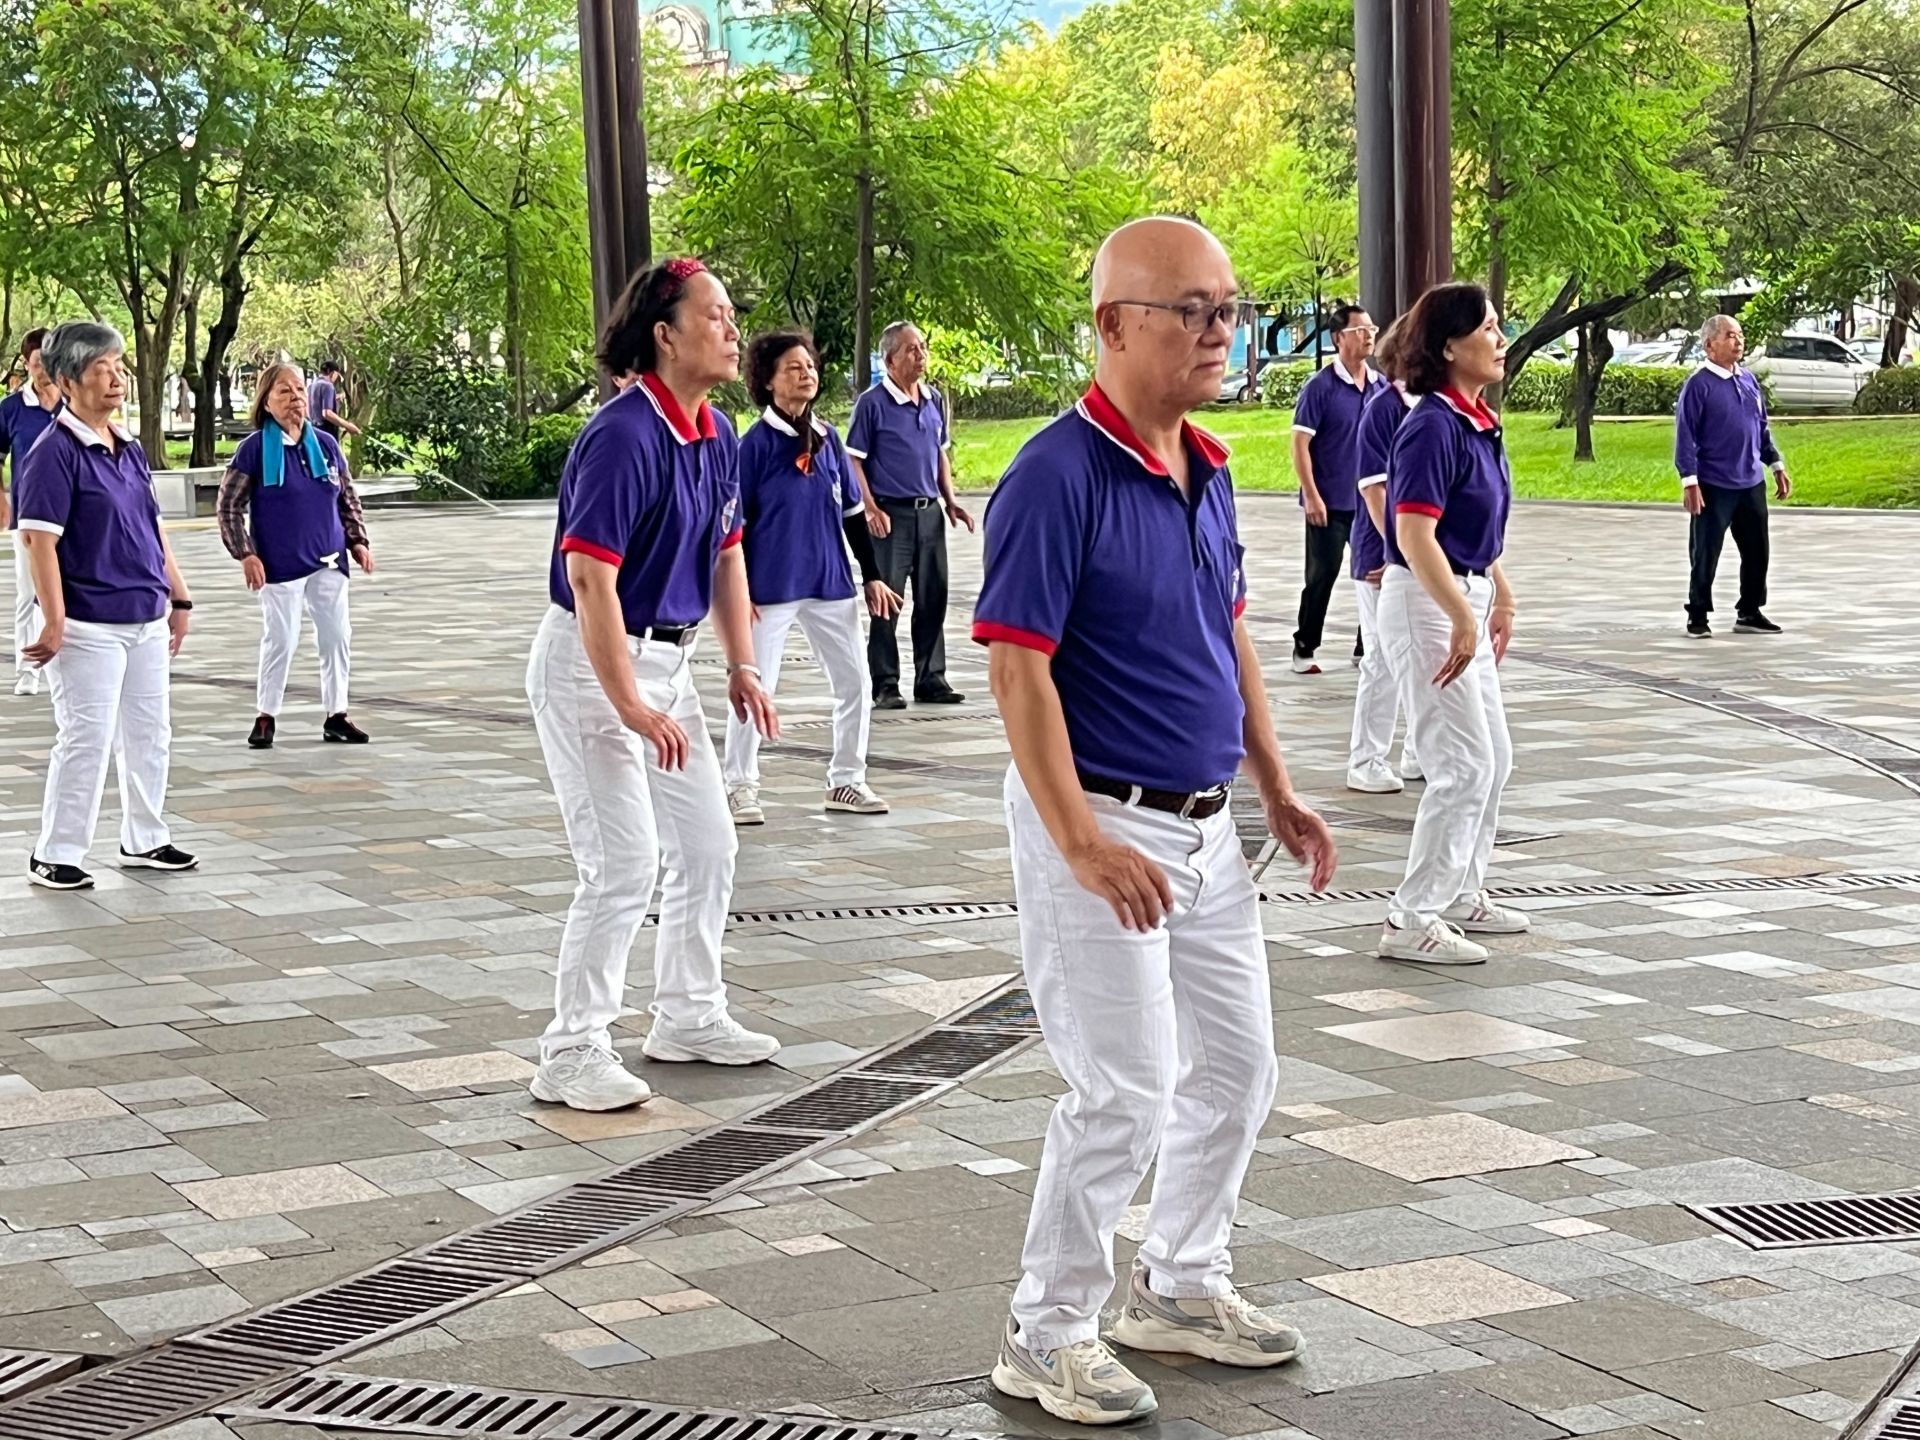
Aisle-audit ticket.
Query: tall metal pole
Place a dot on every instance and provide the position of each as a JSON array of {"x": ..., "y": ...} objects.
[
  {"x": 629, "y": 99},
  {"x": 606, "y": 221},
  {"x": 1373, "y": 135},
  {"x": 1422, "y": 115}
]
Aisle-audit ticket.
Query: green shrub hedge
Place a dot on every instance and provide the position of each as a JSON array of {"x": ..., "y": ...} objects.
[
  {"x": 1624, "y": 389},
  {"x": 1282, "y": 382},
  {"x": 1893, "y": 391},
  {"x": 1022, "y": 400}
]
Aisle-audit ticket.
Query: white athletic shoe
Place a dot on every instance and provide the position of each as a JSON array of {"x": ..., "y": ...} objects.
[
  {"x": 1083, "y": 1383},
  {"x": 856, "y": 800},
  {"x": 1225, "y": 1328},
  {"x": 1305, "y": 664},
  {"x": 743, "y": 803},
  {"x": 587, "y": 1077},
  {"x": 1410, "y": 768},
  {"x": 1478, "y": 915},
  {"x": 1374, "y": 779},
  {"x": 725, "y": 1042},
  {"x": 27, "y": 682},
  {"x": 1438, "y": 943}
]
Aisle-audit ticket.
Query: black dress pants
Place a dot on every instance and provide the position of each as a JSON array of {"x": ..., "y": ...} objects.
[
  {"x": 1744, "y": 512},
  {"x": 914, "y": 550},
  {"x": 1326, "y": 556}
]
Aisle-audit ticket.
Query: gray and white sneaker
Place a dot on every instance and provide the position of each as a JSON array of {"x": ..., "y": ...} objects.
[
  {"x": 1081, "y": 1383},
  {"x": 1228, "y": 1328},
  {"x": 743, "y": 803},
  {"x": 27, "y": 682},
  {"x": 855, "y": 800},
  {"x": 587, "y": 1077},
  {"x": 1376, "y": 777},
  {"x": 725, "y": 1042},
  {"x": 1436, "y": 943},
  {"x": 1478, "y": 915}
]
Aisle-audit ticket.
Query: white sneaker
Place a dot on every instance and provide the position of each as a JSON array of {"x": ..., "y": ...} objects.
[
  {"x": 1374, "y": 779},
  {"x": 27, "y": 682},
  {"x": 1305, "y": 664},
  {"x": 586, "y": 1077},
  {"x": 1478, "y": 915},
  {"x": 855, "y": 800},
  {"x": 1226, "y": 1328},
  {"x": 725, "y": 1042},
  {"x": 743, "y": 803},
  {"x": 1410, "y": 768},
  {"x": 1083, "y": 1383},
  {"x": 1438, "y": 943}
]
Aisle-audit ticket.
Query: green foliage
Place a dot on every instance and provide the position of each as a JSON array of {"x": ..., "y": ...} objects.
[
  {"x": 1023, "y": 399},
  {"x": 1892, "y": 391},
  {"x": 1292, "y": 242},
  {"x": 1540, "y": 386},
  {"x": 459, "y": 408},
  {"x": 549, "y": 441},
  {"x": 1624, "y": 389},
  {"x": 1280, "y": 385}
]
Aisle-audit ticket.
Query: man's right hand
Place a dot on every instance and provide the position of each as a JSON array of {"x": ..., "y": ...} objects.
[
  {"x": 254, "y": 572},
  {"x": 1693, "y": 500},
  {"x": 669, "y": 740},
  {"x": 1316, "y": 509},
  {"x": 878, "y": 521},
  {"x": 1133, "y": 885}
]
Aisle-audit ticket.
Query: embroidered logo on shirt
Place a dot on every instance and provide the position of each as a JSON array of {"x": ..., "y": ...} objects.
[
  {"x": 836, "y": 492},
  {"x": 726, "y": 515}
]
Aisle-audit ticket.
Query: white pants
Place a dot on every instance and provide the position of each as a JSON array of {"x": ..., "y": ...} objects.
[
  {"x": 110, "y": 693},
  {"x": 1460, "y": 734},
  {"x": 322, "y": 595},
  {"x": 832, "y": 627},
  {"x": 630, "y": 822},
  {"x": 26, "y": 610},
  {"x": 1376, "y": 698},
  {"x": 1165, "y": 1041}
]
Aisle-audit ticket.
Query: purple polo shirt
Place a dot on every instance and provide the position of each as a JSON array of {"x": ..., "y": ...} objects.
[
  {"x": 1449, "y": 462},
  {"x": 295, "y": 525},
  {"x": 899, "y": 440},
  {"x": 1721, "y": 436},
  {"x": 1373, "y": 445},
  {"x": 23, "y": 420},
  {"x": 1328, "y": 412},
  {"x": 795, "y": 547},
  {"x": 1095, "y": 558},
  {"x": 100, "y": 504},
  {"x": 322, "y": 396},
  {"x": 655, "y": 493}
]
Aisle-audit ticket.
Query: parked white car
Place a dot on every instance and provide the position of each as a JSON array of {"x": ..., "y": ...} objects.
[{"x": 1804, "y": 369}]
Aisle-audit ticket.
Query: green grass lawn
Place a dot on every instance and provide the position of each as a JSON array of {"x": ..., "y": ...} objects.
[{"x": 1867, "y": 463}]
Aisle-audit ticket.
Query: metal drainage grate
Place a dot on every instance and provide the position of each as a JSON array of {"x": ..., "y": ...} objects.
[
  {"x": 718, "y": 1160},
  {"x": 139, "y": 1396},
  {"x": 1902, "y": 1422},
  {"x": 1012, "y": 1010},
  {"x": 1648, "y": 889},
  {"x": 1839, "y": 1220},
  {"x": 945, "y": 1054},
  {"x": 361, "y": 1311},
  {"x": 570, "y": 1226},
  {"x": 953, "y": 910},
  {"x": 24, "y": 1370},
  {"x": 847, "y": 1103}
]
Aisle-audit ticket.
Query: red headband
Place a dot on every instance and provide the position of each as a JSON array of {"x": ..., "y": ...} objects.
[{"x": 674, "y": 275}]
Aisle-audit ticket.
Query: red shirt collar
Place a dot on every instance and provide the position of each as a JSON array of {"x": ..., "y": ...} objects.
[
  {"x": 1104, "y": 416},
  {"x": 1475, "y": 411},
  {"x": 675, "y": 414}
]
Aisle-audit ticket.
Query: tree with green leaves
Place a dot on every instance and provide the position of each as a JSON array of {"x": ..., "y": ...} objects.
[{"x": 1293, "y": 238}]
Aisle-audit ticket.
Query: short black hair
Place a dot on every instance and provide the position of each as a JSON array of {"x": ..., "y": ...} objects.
[
  {"x": 764, "y": 354},
  {"x": 651, "y": 298},
  {"x": 33, "y": 340},
  {"x": 1342, "y": 317},
  {"x": 1444, "y": 313},
  {"x": 329, "y": 367}
]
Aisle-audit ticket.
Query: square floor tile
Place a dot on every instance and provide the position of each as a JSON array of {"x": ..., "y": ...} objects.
[
  {"x": 1436, "y": 1292},
  {"x": 305, "y": 1188},
  {"x": 448, "y": 1072},
  {"x": 1439, "y": 1147},
  {"x": 1453, "y": 1035}
]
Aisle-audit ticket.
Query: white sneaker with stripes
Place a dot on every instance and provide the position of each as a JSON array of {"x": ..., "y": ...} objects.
[
  {"x": 1478, "y": 915},
  {"x": 855, "y": 800},
  {"x": 1436, "y": 943}
]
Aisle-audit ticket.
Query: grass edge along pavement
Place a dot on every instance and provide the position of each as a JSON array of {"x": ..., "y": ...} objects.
[{"x": 1847, "y": 463}]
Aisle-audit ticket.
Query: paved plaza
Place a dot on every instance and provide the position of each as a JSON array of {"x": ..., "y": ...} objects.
[{"x": 224, "y": 1089}]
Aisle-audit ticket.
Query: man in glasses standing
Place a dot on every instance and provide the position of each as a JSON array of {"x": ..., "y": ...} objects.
[{"x": 1326, "y": 427}]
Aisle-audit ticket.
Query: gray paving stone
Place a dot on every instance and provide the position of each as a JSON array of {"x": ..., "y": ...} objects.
[
  {"x": 793, "y": 1284},
  {"x": 1623, "y": 1333},
  {"x": 169, "y": 1311},
  {"x": 1437, "y": 1405},
  {"x": 1830, "y": 1322},
  {"x": 920, "y": 1340}
]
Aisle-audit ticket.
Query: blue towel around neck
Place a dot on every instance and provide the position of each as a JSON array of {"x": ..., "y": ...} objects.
[{"x": 273, "y": 453}]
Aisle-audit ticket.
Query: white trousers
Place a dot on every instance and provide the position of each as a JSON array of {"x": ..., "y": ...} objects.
[
  {"x": 630, "y": 823},
  {"x": 832, "y": 627},
  {"x": 322, "y": 595},
  {"x": 110, "y": 694},
  {"x": 1165, "y": 1041},
  {"x": 1376, "y": 698},
  {"x": 26, "y": 610},
  {"x": 1460, "y": 734}
]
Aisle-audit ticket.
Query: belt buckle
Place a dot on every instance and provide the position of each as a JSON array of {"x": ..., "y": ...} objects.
[{"x": 1195, "y": 799}]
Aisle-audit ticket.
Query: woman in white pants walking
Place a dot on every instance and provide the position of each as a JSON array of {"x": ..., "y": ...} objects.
[
  {"x": 1447, "y": 611},
  {"x": 647, "y": 544},
  {"x": 1376, "y": 698},
  {"x": 24, "y": 418},
  {"x": 802, "y": 513},
  {"x": 288, "y": 514},
  {"x": 113, "y": 608}
]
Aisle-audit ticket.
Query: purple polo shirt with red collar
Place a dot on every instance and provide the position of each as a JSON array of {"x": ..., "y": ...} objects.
[
  {"x": 898, "y": 439},
  {"x": 792, "y": 507},
  {"x": 1449, "y": 462},
  {"x": 1373, "y": 446},
  {"x": 1096, "y": 559},
  {"x": 23, "y": 420},
  {"x": 1328, "y": 413},
  {"x": 99, "y": 502},
  {"x": 656, "y": 493}
]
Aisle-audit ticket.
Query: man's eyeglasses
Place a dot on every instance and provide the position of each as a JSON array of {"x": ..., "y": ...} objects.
[
  {"x": 1199, "y": 316},
  {"x": 1367, "y": 330}
]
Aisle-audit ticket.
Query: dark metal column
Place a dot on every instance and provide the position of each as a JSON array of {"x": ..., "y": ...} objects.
[
  {"x": 629, "y": 95},
  {"x": 606, "y": 220},
  {"x": 1422, "y": 148},
  {"x": 1373, "y": 135}
]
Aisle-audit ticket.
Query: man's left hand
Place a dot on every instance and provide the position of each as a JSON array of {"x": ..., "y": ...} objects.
[
  {"x": 1304, "y": 836},
  {"x": 752, "y": 704},
  {"x": 957, "y": 515},
  {"x": 1782, "y": 483}
]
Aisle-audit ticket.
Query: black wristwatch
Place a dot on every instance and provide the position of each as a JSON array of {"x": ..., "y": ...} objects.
[{"x": 182, "y": 604}]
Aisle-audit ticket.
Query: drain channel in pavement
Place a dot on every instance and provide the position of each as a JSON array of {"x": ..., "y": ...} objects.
[
  {"x": 24, "y": 1370},
  {"x": 1838, "y": 1220}
]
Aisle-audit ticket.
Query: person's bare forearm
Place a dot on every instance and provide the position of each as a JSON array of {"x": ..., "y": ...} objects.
[
  {"x": 946, "y": 479},
  {"x": 1502, "y": 591},
  {"x": 1303, "y": 465},
  {"x": 1375, "y": 499},
  {"x": 603, "y": 633},
  {"x": 860, "y": 479},
  {"x": 1264, "y": 761},
  {"x": 176, "y": 582},
  {"x": 43, "y": 559},
  {"x": 1022, "y": 682},
  {"x": 733, "y": 607}
]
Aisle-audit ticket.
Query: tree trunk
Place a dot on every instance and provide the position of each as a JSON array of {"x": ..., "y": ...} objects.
[
  {"x": 516, "y": 340},
  {"x": 1319, "y": 327},
  {"x": 213, "y": 363},
  {"x": 863, "y": 282},
  {"x": 1496, "y": 252},
  {"x": 1596, "y": 349},
  {"x": 1906, "y": 299}
]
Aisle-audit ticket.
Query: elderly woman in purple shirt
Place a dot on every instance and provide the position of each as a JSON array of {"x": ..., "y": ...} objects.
[{"x": 113, "y": 608}]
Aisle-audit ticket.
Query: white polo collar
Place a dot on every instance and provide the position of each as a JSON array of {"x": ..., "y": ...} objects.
[
  {"x": 30, "y": 397},
  {"x": 1720, "y": 370},
  {"x": 773, "y": 417},
  {"x": 87, "y": 435},
  {"x": 901, "y": 397},
  {"x": 1347, "y": 375}
]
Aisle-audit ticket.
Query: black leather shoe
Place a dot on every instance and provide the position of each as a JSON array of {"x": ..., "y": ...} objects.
[
  {"x": 938, "y": 697},
  {"x": 889, "y": 699},
  {"x": 1755, "y": 624},
  {"x": 261, "y": 737},
  {"x": 343, "y": 731}
]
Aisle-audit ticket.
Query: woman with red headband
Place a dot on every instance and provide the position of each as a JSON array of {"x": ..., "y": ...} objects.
[{"x": 648, "y": 544}]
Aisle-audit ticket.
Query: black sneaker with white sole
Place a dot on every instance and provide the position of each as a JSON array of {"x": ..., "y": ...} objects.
[
  {"x": 164, "y": 858},
  {"x": 1755, "y": 624},
  {"x": 58, "y": 877},
  {"x": 1699, "y": 629}
]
